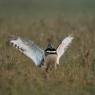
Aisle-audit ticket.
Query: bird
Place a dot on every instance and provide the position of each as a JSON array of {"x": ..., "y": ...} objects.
[{"x": 47, "y": 58}]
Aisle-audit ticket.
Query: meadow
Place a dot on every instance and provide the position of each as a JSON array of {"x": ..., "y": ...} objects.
[{"x": 76, "y": 73}]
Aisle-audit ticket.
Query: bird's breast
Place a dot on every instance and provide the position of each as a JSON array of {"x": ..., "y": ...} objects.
[{"x": 51, "y": 58}]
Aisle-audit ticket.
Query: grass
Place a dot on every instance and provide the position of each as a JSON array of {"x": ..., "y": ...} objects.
[{"x": 76, "y": 73}]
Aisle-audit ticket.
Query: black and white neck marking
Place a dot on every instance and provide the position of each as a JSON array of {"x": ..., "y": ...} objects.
[{"x": 50, "y": 50}]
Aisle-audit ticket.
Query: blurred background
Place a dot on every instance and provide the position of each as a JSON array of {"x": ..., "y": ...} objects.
[
  {"x": 44, "y": 7},
  {"x": 39, "y": 20}
]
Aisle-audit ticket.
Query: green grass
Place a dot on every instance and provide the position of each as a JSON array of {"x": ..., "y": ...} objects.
[{"x": 76, "y": 73}]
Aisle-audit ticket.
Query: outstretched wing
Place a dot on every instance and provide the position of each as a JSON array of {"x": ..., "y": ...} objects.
[
  {"x": 28, "y": 48},
  {"x": 63, "y": 46}
]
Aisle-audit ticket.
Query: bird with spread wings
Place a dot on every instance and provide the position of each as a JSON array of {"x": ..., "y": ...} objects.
[{"x": 39, "y": 56}]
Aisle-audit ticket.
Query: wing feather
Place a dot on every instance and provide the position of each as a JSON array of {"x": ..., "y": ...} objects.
[
  {"x": 63, "y": 46},
  {"x": 28, "y": 48}
]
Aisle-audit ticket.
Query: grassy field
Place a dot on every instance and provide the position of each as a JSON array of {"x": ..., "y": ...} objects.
[{"x": 76, "y": 73}]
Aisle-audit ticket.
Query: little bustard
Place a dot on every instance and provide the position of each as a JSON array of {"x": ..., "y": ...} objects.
[{"x": 40, "y": 57}]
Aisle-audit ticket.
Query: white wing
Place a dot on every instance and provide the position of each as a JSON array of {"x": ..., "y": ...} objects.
[
  {"x": 30, "y": 49},
  {"x": 63, "y": 46}
]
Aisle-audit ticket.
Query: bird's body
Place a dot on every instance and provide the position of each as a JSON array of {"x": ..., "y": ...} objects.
[
  {"x": 50, "y": 61},
  {"x": 48, "y": 58}
]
